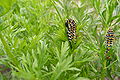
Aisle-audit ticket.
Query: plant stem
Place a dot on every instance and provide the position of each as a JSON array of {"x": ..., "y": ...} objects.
[
  {"x": 57, "y": 10},
  {"x": 103, "y": 70}
]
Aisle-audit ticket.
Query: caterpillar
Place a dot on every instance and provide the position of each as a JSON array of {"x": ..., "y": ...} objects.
[
  {"x": 71, "y": 29},
  {"x": 109, "y": 40}
]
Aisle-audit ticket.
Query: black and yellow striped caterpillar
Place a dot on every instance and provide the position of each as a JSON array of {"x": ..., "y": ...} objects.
[
  {"x": 109, "y": 40},
  {"x": 71, "y": 29}
]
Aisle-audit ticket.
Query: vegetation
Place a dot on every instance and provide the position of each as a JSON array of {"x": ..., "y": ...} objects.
[{"x": 34, "y": 44}]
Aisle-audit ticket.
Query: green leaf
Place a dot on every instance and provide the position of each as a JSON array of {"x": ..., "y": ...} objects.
[{"x": 5, "y": 6}]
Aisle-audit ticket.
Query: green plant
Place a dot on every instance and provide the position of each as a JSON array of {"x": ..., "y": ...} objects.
[{"x": 34, "y": 44}]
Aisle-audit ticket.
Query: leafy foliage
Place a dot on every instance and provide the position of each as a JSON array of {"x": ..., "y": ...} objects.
[{"x": 34, "y": 44}]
